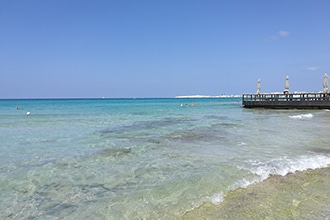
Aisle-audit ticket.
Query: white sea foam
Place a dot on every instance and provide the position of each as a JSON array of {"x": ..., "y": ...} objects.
[
  {"x": 282, "y": 167},
  {"x": 302, "y": 116},
  {"x": 216, "y": 198}
]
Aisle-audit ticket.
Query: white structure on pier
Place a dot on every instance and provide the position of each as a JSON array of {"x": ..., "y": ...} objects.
[
  {"x": 325, "y": 83},
  {"x": 258, "y": 87},
  {"x": 286, "y": 89}
]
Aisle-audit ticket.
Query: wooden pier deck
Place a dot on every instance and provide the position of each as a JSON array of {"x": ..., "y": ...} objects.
[{"x": 287, "y": 101}]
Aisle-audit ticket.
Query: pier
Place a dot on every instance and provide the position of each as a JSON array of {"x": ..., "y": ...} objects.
[{"x": 287, "y": 101}]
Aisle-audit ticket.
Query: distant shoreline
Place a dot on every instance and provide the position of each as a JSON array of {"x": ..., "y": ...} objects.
[{"x": 207, "y": 96}]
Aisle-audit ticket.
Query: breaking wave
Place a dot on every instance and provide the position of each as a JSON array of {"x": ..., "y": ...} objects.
[
  {"x": 302, "y": 116},
  {"x": 261, "y": 171}
]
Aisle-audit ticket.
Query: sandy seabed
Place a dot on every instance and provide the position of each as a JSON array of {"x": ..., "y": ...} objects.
[{"x": 301, "y": 195}]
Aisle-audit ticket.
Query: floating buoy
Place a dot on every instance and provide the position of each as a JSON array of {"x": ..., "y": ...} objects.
[{"x": 28, "y": 113}]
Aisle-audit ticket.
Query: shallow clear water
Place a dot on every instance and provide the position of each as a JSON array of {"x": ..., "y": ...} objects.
[{"x": 145, "y": 158}]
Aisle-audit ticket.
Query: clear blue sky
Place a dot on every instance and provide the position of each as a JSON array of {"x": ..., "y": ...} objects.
[{"x": 161, "y": 48}]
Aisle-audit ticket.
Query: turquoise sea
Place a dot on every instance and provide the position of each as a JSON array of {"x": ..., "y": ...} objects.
[{"x": 145, "y": 158}]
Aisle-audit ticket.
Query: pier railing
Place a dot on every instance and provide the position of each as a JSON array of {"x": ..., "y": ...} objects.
[{"x": 287, "y": 100}]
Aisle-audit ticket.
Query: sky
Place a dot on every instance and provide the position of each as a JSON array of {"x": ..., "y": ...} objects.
[{"x": 161, "y": 48}]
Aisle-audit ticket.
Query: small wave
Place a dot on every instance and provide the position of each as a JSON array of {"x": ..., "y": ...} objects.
[
  {"x": 263, "y": 170},
  {"x": 302, "y": 116},
  {"x": 282, "y": 166}
]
